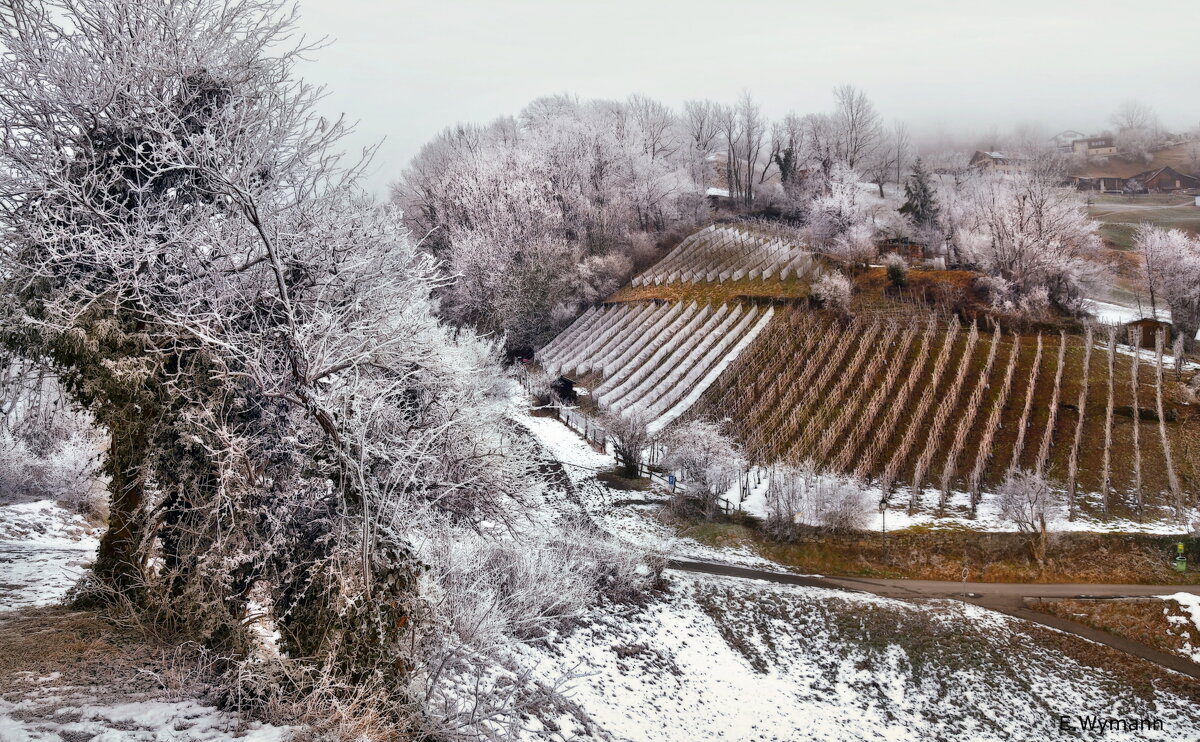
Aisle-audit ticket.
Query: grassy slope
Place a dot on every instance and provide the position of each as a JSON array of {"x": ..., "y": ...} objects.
[{"x": 1119, "y": 215}]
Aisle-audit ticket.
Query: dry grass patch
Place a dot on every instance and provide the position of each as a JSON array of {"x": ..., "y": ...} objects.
[{"x": 1145, "y": 620}]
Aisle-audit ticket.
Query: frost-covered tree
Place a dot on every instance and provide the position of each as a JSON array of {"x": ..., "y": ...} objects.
[
  {"x": 708, "y": 461},
  {"x": 1171, "y": 275},
  {"x": 1025, "y": 500},
  {"x": 188, "y": 255},
  {"x": 860, "y": 132},
  {"x": 1139, "y": 131},
  {"x": 1029, "y": 233},
  {"x": 630, "y": 438},
  {"x": 800, "y": 496},
  {"x": 841, "y": 220},
  {"x": 538, "y": 216}
]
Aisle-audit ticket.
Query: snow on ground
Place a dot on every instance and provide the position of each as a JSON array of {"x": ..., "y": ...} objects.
[
  {"x": 1190, "y": 605},
  {"x": 723, "y": 659},
  {"x": 1119, "y": 314},
  {"x": 608, "y": 508},
  {"x": 52, "y": 713},
  {"x": 43, "y": 548},
  {"x": 988, "y": 518}
]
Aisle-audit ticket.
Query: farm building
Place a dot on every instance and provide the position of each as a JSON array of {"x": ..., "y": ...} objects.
[
  {"x": 1094, "y": 146},
  {"x": 1149, "y": 328},
  {"x": 993, "y": 161},
  {"x": 1166, "y": 172},
  {"x": 1166, "y": 179}
]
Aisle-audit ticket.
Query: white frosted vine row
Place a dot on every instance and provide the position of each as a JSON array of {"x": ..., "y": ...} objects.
[
  {"x": 617, "y": 398},
  {"x": 703, "y": 324},
  {"x": 727, "y": 254},
  {"x": 668, "y": 389},
  {"x": 604, "y": 392},
  {"x": 699, "y": 387},
  {"x": 666, "y": 315}
]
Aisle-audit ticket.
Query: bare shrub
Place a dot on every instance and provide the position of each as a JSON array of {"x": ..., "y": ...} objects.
[
  {"x": 1025, "y": 500},
  {"x": 799, "y": 496},
  {"x": 485, "y": 596},
  {"x": 541, "y": 387},
  {"x": 629, "y": 437},
  {"x": 897, "y": 270}
]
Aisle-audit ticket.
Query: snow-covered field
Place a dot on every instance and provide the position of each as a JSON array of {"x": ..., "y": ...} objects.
[
  {"x": 724, "y": 659},
  {"x": 53, "y": 713},
  {"x": 43, "y": 549},
  {"x": 988, "y": 518}
]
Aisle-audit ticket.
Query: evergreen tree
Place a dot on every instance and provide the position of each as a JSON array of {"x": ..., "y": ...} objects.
[{"x": 920, "y": 201}]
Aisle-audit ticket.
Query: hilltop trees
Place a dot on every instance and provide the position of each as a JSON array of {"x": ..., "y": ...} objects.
[
  {"x": 540, "y": 215},
  {"x": 1138, "y": 129}
]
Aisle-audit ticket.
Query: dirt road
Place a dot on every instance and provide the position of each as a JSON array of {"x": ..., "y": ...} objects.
[{"x": 1003, "y": 597}]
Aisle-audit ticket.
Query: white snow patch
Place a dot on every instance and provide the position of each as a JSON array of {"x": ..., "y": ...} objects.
[{"x": 43, "y": 550}]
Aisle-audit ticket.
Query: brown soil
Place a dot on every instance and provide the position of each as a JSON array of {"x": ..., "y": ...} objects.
[
  {"x": 1144, "y": 620},
  {"x": 959, "y": 555}
]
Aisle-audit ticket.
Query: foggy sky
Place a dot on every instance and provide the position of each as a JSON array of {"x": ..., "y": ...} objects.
[{"x": 405, "y": 70}]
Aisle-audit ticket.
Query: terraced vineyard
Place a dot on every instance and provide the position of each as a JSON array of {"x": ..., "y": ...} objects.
[
  {"x": 655, "y": 358},
  {"x": 720, "y": 254},
  {"x": 929, "y": 408}
]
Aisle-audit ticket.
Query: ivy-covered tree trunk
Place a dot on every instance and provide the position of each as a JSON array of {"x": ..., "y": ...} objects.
[{"x": 118, "y": 561}]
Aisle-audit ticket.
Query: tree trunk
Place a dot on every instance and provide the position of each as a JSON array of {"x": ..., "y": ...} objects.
[{"x": 118, "y": 566}]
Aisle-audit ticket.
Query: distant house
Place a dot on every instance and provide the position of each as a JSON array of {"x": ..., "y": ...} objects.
[
  {"x": 1164, "y": 173},
  {"x": 993, "y": 162},
  {"x": 1064, "y": 139},
  {"x": 1094, "y": 146},
  {"x": 1166, "y": 179}
]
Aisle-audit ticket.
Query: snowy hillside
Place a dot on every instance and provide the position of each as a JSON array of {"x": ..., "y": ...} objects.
[{"x": 720, "y": 658}]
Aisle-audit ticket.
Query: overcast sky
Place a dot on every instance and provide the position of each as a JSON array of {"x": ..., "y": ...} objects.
[{"x": 405, "y": 70}]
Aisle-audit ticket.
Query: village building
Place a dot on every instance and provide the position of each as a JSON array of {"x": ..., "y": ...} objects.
[
  {"x": 1064, "y": 139},
  {"x": 993, "y": 162},
  {"x": 1094, "y": 146}
]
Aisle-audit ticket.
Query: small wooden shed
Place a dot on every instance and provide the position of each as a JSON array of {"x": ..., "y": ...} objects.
[{"x": 1149, "y": 328}]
